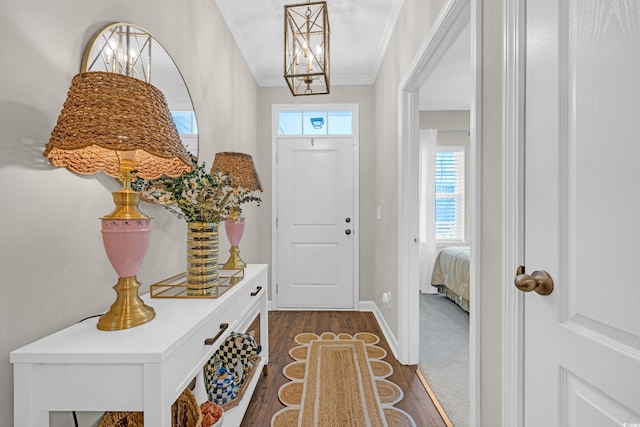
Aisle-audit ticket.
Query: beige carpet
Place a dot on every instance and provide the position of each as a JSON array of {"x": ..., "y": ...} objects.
[{"x": 339, "y": 380}]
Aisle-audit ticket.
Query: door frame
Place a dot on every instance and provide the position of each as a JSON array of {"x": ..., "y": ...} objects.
[
  {"x": 275, "y": 109},
  {"x": 452, "y": 20},
  {"x": 514, "y": 35}
]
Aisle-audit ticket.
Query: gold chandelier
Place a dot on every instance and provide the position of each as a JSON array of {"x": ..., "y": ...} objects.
[{"x": 306, "y": 48}]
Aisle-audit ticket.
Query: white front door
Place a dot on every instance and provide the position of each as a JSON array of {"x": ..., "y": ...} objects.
[
  {"x": 315, "y": 222},
  {"x": 582, "y": 204}
]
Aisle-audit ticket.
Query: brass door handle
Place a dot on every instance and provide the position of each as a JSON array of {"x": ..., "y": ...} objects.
[
  {"x": 539, "y": 281},
  {"x": 347, "y": 231}
]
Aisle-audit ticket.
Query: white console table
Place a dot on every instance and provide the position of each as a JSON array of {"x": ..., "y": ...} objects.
[{"x": 144, "y": 368}]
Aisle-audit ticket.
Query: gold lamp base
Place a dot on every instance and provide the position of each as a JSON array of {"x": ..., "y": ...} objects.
[
  {"x": 234, "y": 261},
  {"x": 128, "y": 310}
]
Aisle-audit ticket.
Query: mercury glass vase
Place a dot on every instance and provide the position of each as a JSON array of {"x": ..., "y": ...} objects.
[{"x": 202, "y": 258}]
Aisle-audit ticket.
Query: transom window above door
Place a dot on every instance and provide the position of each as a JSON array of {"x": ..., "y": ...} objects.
[{"x": 315, "y": 122}]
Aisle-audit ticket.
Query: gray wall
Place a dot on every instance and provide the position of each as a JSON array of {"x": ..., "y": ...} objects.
[
  {"x": 490, "y": 286},
  {"x": 54, "y": 268}
]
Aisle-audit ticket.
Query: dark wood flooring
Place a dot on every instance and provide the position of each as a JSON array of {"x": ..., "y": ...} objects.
[{"x": 285, "y": 325}]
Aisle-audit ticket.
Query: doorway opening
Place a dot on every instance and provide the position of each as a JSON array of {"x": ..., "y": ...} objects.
[
  {"x": 456, "y": 18},
  {"x": 444, "y": 259}
]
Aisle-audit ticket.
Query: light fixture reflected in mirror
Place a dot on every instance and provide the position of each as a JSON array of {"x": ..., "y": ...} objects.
[
  {"x": 317, "y": 122},
  {"x": 125, "y": 48}
]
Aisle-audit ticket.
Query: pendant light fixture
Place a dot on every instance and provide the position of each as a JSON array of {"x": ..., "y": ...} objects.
[{"x": 306, "y": 48}]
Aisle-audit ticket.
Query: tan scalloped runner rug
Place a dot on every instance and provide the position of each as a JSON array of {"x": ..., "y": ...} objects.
[{"x": 339, "y": 380}]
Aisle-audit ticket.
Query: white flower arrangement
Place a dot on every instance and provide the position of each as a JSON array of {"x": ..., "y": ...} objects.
[{"x": 197, "y": 196}]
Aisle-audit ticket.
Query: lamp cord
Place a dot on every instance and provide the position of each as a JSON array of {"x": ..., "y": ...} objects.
[
  {"x": 90, "y": 317},
  {"x": 75, "y": 416}
]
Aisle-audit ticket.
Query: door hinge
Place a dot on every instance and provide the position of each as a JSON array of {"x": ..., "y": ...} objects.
[
  {"x": 276, "y": 289},
  {"x": 276, "y": 222}
]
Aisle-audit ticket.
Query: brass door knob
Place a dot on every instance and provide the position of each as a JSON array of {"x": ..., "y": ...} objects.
[
  {"x": 539, "y": 281},
  {"x": 347, "y": 232}
]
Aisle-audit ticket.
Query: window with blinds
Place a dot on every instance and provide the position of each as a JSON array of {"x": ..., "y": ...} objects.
[{"x": 450, "y": 193}]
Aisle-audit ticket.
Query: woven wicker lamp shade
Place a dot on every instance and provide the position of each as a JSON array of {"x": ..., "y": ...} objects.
[
  {"x": 243, "y": 174},
  {"x": 108, "y": 112},
  {"x": 121, "y": 126},
  {"x": 240, "y": 168}
]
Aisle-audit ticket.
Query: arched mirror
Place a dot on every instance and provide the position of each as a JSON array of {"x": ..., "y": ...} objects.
[{"x": 127, "y": 49}]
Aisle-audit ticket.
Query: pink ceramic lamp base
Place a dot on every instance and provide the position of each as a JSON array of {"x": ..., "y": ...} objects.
[
  {"x": 234, "y": 230},
  {"x": 126, "y": 242}
]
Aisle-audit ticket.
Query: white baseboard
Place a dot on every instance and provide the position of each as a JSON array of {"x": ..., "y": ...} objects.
[{"x": 386, "y": 330}]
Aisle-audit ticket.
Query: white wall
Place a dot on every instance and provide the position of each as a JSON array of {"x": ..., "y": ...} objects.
[
  {"x": 54, "y": 270},
  {"x": 414, "y": 22}
]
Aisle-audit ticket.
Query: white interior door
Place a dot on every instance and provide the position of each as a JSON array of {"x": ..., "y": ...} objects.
[
  {"x": 315, "y": 225},
  {"x": 582, "y": 151}
]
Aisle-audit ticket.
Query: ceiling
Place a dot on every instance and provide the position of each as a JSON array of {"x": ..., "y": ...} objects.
[{"x": 360, "y": 32}]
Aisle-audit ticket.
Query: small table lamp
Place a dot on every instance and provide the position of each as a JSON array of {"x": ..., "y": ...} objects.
[
  {"x": 121, "y": 126},
  {"x": 242, "y": 172}
]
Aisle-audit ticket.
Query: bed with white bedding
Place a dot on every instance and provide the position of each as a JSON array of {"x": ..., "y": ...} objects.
[{"x": 451, "y": 274}]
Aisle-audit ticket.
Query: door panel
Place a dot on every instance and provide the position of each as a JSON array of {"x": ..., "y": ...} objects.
[
  {"x": 314, "y": 187},
  {"x": 315, "y": 198},
  {"x": 582, "y": 342},
  {"x": 589, "y": 406},
  {"x": 315, "y": 264}
]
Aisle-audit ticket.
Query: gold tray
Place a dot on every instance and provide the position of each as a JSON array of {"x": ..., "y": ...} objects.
[{"x": 176, "y": 286}]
